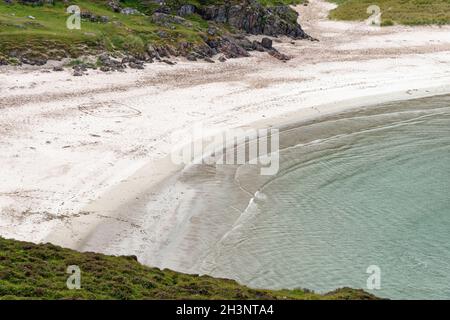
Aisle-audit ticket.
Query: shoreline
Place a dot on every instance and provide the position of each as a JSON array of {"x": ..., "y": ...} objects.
[
  {"x": 174, "y": 251},
  {"x": 154, "y": 175},
  {"x": 152, "y": 180},
  {"x": 211, "y": 245},
  {"x": 75, "y": 151}
]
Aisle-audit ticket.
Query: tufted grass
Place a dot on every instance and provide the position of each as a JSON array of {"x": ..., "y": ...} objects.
[{"x": 407, "y": 12}]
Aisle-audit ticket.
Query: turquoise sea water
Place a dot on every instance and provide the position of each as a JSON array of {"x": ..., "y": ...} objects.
[{"x": 372, "y": 189}]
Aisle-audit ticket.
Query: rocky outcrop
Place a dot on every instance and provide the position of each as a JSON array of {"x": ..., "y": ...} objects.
[
  {"x": 186, "y": 10},
  {"x": 234, "y": 48},
  {"x": 114, "y": 5},
  {"x": 244, "y": 16},
  {"x": 266, "y": 43},
  {"x": 129, "y": 11},
  {"x": 166, "y": 20},
  {"x": 252, "y": 17},
  {"x": 32, "y": 58},
  {"x": 87, "y": 15},
  {"x": 3, "y": 61},
  {"x": 34, "y": 2}
]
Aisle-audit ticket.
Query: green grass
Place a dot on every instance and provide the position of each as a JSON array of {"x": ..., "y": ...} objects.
[
  {"x": 48, "y": 30},
  {"x": 30, "y": 271},
  {"x": 281, "y": 2},
  {"x": 407, "y": 12},
  {"x": 48, "y": 36}
]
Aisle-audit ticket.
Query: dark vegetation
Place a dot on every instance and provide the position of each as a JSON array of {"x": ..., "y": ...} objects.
[{"x": 30, "y": 271}]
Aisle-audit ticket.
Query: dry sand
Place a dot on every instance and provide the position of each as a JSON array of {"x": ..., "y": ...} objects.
[{"x": 78, "y": 152}]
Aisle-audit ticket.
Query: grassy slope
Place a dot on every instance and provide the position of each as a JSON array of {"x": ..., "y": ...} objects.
[
  {"x": 123, "y": 33},
  {"x": 408, "y": 12},
  {"x": 39, "y": 271},
  {"x": 49, "y": 30}
]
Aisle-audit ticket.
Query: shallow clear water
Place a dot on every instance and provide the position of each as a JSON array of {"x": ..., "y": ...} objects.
[{"x": 374, "y": 190}]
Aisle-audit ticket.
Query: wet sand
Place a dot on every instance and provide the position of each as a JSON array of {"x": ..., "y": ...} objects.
[{"x": 80, "y": 155}]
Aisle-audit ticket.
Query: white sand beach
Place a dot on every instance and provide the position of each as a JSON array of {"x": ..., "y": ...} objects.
[{"x": 76, "y": 151}]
